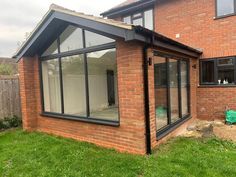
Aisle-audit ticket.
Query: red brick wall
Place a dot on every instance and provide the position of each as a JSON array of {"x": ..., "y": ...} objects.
[
  {"x": 28, "y": 91},
  {"x": 194, "y": 21},
  {"x": 129, "y": 136},
  {"x": 213, "y": 101}
]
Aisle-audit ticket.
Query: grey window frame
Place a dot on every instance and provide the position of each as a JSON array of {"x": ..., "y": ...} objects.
[
  {"x": 85, "y": 50},
  {"x": 227, "y": 15},
  {"x": 216, "y": 66}
]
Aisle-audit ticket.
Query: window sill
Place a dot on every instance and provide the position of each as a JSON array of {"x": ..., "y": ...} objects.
[
  {"x": 217, "y": 86},
  {"x": 224, "y": 16},
  {"x": 164, "y": 132},
  {"x": 81, "y": 119}
]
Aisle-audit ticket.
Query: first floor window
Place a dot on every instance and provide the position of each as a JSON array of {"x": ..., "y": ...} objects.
[
  {"x": 225, "y": 7},
  {"x": 144, "y": 18},
  {"x": 219, "y": 71},
  {"x": 81, "y": 84},
  {"x": 148, "y": 19}
]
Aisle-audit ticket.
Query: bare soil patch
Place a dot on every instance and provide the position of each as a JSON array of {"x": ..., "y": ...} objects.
[{"x": 218, "y": 128}]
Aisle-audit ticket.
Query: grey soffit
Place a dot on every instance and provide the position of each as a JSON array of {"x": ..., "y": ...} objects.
[{"x": 58, "y": 18}]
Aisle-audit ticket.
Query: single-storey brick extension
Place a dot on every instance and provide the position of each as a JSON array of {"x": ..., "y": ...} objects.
[{"x": 133, "y": 79}]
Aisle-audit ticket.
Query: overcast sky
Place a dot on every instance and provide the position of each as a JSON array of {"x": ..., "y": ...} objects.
[{"x": 17, "y": 17}]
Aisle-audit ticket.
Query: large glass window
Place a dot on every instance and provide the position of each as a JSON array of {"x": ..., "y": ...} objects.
[
  {"x": 51, "y": 86},
  {"x": 219, "y": 71},
  {"x": 71, "y": 39},
  {"x": 144, "y": 18},
  {"x": 102, "y": 77},
  {"x": 73, "y": 78},
  {"x": 171, "y": 92},
  {"x": 52, "y": 49},
  {"x": 93, "y": 39},
  {"x": 225, "y": 7},
  {"x": 82, "y": 85}
]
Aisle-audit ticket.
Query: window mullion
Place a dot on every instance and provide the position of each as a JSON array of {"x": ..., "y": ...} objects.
[
  {"x": 179, "y": 88},
  {"x": 168, "y": 91},
  {"x": 201, "y": 73},
  {"x": 234, "y": 6},
  {"x": 188, "y": 87},
  {"x": 143, "y": 19},
  {"x": 60, "y": 78},
  {"x": 86, "y": 76},
  {"x": 234, "y": 62},
  {"x": 215, "y": 71},
  {"x": 41, "y": 85}
]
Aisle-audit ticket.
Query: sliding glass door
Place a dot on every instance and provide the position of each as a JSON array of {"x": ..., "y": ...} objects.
[{"x": 171, "y": 78}]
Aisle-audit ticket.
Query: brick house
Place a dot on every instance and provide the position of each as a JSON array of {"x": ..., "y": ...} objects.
[{"x": 128, "y": 85}]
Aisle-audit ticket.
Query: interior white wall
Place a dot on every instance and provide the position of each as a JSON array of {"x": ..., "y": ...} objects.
[{"x": 74, "y": 94}]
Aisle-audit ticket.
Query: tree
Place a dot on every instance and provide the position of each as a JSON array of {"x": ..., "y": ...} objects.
[{"x": 6, "y": 69}]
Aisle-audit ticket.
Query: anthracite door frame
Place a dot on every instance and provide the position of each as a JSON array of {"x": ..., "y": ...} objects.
[{"x": 182, "y": 118}]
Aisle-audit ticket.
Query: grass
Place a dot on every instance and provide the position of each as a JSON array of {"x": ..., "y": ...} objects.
[{"x": 36, "y": 154}]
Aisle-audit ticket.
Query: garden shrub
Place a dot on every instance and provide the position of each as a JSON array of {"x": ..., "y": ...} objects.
[{"x": 10, "y": 122}]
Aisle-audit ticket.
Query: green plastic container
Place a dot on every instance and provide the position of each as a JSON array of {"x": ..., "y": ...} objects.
[
  {"x": 161, "y": 112},
  {"x": 230, "y": 117}
]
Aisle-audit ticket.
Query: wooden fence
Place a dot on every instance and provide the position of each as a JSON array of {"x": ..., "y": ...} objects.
[{"x": 9, "y": 96}]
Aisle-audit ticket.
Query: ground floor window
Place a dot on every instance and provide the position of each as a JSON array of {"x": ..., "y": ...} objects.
[
  {"x": 218, "y": 71},
  {"x": 172, "y": 87},
  {"x": 81, "y": 83}
]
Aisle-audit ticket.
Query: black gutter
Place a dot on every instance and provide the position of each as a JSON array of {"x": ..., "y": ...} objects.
[
  {"x": 146, "y": 63},
  {"x": 146, "y": 101}
]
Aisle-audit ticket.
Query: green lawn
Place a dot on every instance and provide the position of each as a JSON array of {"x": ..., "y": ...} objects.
[{"x": 36, "y": 154}]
